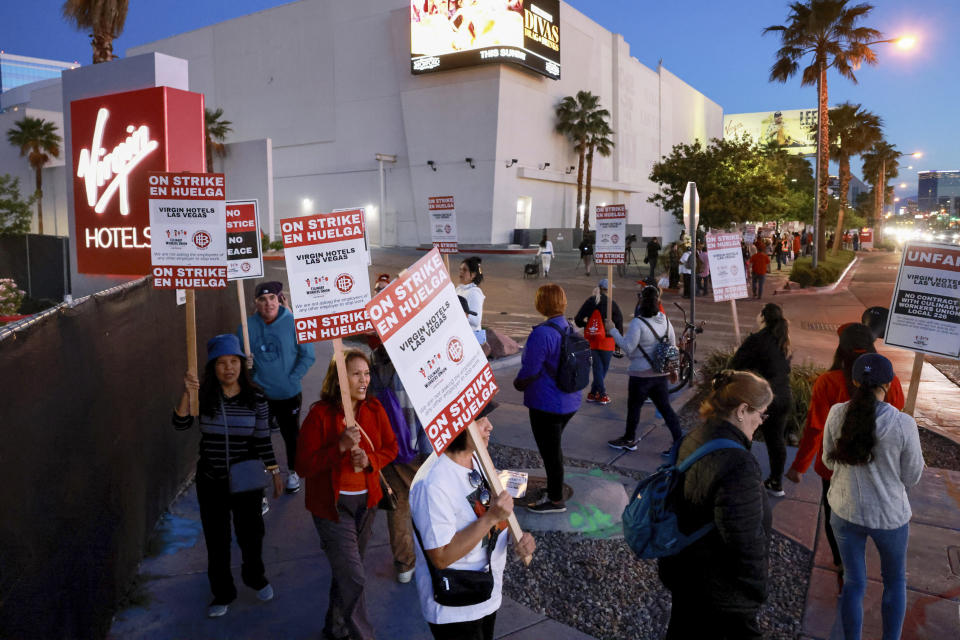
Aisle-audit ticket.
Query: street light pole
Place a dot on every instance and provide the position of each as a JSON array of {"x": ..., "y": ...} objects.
[{"x": 381, "y": 158}]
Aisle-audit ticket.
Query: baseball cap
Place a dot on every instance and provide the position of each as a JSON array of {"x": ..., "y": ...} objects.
[
  {"x": 273, "y": 287},
  {"x": 872, "y": 370}
]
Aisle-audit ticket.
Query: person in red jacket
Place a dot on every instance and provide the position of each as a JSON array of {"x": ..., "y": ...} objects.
[
  {"x": 830, "y": 388},
  {"x": 759, "y": 265},
  {"x": 341, "y": 465}
]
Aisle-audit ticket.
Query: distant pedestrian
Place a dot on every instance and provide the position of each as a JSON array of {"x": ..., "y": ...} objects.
[
  {"x": 759, "y": 265},
  {"x": 341, "y": 465},
  {"x": 767, "y": 353},
  {"x": 591, "y": 318},
  {"x": 279, "y": 365},
  {"x": 830, "y": 388},
  {"x": 856, "y": 239},
  {"x": 545, "y": 251},
  {"x": 471, "y": 276},
  {"x": 703, "y": 269},
  {"x": 797, "y": 248},
  {"x": 586, "y": 251},
  {"x": 653, "y": 254},
  {"x": 648, "y": 327},
  {"x": 719, "y": 582},
  {"x": 778, "y": 253},
  {"x": 874, "y": 452},
  {"x": 550, "y": 408},
  {"x": 686, "y": 273},
  {"x": 673, "y": 262},
  {"x": 233, "y": 428}
]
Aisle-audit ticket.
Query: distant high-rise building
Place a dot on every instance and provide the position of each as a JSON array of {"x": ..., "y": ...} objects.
[
  {"x": 20, "y": 70},
  {"x": 939, "y": 192}
]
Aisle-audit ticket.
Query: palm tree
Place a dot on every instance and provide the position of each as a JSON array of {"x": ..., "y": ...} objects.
[
  {"x": 853, "y": 130},
  {"x": 104, "y": 17},
  {"x": 573, "y": 116},
  {"x": 880, "y": 164},
  {"x": 38, "y": 140},
  {"x": 598, "y": 141},
  {"x": 824, "y": 30},
  {"x": 216, "y": 131}
]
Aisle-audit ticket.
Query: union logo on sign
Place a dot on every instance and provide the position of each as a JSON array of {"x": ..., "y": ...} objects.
[
  {"x": 344, "y": 282},
  {"x": 202, "y": 239},
  {"x": 245, "y": 266},
  {"x": 455, "y": 350}
]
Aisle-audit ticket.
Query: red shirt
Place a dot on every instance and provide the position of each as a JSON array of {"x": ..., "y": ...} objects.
[
  {"x": 320, "y": 462},
  {"x": 796, "y": 244},
  {"x": 829, "y": 389},
  {"x": 759, "y": 263}
]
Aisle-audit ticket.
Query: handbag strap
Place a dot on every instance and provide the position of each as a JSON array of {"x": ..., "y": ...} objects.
[{"x": 652, "y": 366}]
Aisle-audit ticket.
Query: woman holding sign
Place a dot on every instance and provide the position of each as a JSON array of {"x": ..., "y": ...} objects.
[
  {"x": 341, "y": 465},
  {"x": 232, "y": 406}
]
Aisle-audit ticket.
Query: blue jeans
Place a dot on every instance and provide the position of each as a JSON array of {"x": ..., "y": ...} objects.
[
  {"x": 892, "y": 545},
  {"x": 601, "y": 364},
  {"x": 638, "y": 390},
  {"x": 758, "y": 285}
]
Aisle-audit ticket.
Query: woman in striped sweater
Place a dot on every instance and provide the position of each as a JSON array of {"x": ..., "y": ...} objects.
[{"x": 229, "y": 400}]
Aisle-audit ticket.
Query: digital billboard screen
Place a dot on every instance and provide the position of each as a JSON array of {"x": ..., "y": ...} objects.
[
  {"x": 449, "y": 34},
  {"x": 793, "y": 130}
]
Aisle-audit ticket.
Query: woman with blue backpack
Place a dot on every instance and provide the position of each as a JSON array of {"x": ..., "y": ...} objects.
[
  {"x": 719, "y": 581},
  {"x": 647, "y": 343}
]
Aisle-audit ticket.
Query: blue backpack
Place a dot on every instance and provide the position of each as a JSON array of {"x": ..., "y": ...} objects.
[{"x": 649, "y": 522}]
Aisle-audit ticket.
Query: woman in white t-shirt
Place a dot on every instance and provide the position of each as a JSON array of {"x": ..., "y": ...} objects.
[
  {"x": 470, "y": 276},
  {"x": 457, "y": 520},
  {"x": 545, "y": 252}
]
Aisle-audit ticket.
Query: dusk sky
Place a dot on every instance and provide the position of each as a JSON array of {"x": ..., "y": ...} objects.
[{"x": 715, "y": 46}]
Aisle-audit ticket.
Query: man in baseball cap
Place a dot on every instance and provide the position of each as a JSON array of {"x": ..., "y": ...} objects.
[{"x": 279, "y": 364}]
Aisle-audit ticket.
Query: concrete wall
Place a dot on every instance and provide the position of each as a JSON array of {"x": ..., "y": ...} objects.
[{"x": 248, "y": 171}]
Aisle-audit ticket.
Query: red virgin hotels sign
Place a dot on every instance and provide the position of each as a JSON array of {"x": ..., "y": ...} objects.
[{"x": 117, "y": 140}]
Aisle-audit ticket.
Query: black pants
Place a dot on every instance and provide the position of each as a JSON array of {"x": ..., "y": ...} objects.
[
  {"x": 773, "y": 435},
  {"x": 655, "y": 388},
  {"x": 547, "y": 431},
  {"x": 694, "y": 616},
  {"x": 481, "y": 629},
  {"x": 686, "y": 285},
  {"x": 287, "y": 413},
  {"x": 216, "y": 506},
  {"x": 831, "y": 539}
]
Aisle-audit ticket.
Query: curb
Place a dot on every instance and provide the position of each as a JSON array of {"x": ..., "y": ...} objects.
[{"x": 827, "y": 289}]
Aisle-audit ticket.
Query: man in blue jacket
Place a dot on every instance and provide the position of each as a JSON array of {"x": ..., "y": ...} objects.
[{"x": 279, "y": 364}]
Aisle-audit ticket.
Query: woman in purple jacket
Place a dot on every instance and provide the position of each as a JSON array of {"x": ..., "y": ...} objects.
[{"x": 550, "y": 408}]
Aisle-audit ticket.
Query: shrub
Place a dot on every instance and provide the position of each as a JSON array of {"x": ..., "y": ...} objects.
[
  {"x": 11, "y": 297},
  {"x": 827, "y": 271},
  {"x": 15, "y": 213},
  {"x": 277, "y": 245},
  {"x": 802, "y": 377}
]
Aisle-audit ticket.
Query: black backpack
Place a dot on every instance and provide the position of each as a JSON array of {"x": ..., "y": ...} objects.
[{"x": 576, "y": 360}]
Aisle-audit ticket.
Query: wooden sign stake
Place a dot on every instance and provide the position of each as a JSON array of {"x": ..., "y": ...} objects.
[
  {"x": 446, "y": 263},
  {"x": 911, "y": 402},
  {"x": 490, "y": 471},
  {"x": 242, "y": 299},
  {"x": 348, "y": 418},
  {"x": 736, "y": 320},
  {"x": 191, "y": 308},
  {"x": 610, "y": 292}
]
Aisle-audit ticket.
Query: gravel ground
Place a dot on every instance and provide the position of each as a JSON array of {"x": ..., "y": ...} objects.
[
  {"x": 949, "y": 368},
  {"x": 939, "y": 451}
]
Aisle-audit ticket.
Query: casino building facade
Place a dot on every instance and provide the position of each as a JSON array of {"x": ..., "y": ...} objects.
[{"x": 386, "y": 103}]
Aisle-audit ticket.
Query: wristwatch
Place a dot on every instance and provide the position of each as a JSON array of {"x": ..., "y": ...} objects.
[{"x": 275, "y": 471}]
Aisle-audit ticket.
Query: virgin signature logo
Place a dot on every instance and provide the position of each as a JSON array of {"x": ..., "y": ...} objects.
[{"x": 98, "y": 168}]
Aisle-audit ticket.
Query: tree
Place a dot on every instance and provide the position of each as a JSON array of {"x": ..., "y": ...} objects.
[
  {"x": 14, "y": 212},
  {"x": 824, "y": 30},
  {"x": 573, "y": 121},
  {"x": 216, "y": 129},
  {"x": 104, "y": 17},
  {"x": 880, "y": 164},
  {"x": 853, "y": 130},
  {"x": 737, "y": 181},
  {"x": 38, "y": 140},
  {"x": 598, "y": 141},
  {"x": 796, "y": 201}
]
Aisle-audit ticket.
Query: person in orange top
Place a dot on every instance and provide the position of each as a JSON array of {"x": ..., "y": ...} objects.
[
  {"x": 833, "y": 387},
  {"x": 759, "y": 265},
  {"x": 343, "y": 500}
]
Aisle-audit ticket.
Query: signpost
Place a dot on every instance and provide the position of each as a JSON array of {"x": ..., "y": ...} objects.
[
  {"x": 244, "y": 255},
  {"x": 440, "y": 363},
  {"x": 443, "y": 225},
  {"x": 691, "y": 216},
  {"x": 188, "y": 248},
  {"x": 925, "y": 310},
  {"x": 727, "y": 272},
  {"x": 329, "y": 284},
  {"x": 611, "y": 243}
]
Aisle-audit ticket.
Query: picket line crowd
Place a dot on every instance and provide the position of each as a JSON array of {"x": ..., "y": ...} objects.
[{"x": 447, "y": 529}]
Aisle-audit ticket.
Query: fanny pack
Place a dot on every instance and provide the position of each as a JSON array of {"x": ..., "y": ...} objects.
[{"x": 459, "y": 587}]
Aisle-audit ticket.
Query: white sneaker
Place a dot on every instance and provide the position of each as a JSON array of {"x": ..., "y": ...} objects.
[
  {"x": 217, "y": 610},
  {"x": 264, "y": 506},
  {"x": 405, "y": 576},
  {"x": 265, "y": 594},
  {"x": 293, "y": 482}
]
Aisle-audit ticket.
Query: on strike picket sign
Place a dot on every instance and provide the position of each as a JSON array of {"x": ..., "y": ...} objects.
[
  {"x": 726, "y": 266},
  {"x": 925, "y": 309},
  {"x": 443, "y": 223},
  {"x": 439, "y": 361},
  {"x": 188, "y": 232},
  {"x": 244, "y": 255},
  {"x": 611, "y": 244},
  {"x": 327, "y": 269}
]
